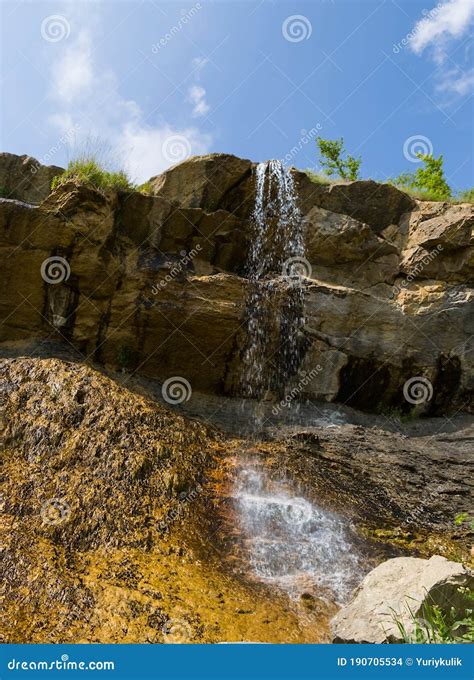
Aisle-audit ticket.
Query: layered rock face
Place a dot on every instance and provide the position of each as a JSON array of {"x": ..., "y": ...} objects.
[{"x": 157, "y": 284}]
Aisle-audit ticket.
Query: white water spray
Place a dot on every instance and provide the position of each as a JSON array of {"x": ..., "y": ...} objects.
[{"x": 292, "y": 543}]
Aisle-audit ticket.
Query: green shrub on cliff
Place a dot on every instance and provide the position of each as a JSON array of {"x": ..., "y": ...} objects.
[
  {"x": 88, "y": 170},
  {"x": 428, "y": 182},
  {"x": 332, "y": 161}
]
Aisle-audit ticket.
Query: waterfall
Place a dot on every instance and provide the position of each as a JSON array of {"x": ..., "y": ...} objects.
[
  {"x": 274, "y": 306},
  {"x": 289, "y": 541}
]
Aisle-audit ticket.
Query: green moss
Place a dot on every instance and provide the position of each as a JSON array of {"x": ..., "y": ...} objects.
[{"x": 146, "y": 188}]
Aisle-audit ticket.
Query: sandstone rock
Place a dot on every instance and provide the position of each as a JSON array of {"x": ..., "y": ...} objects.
[
  {"x": 401, "y": 588},
  {"x": 25, "y": 179},
  {"x": 378, "y": 205},
  {"x": 161, "y": 280},
  {"x": 201, "y": 181}
]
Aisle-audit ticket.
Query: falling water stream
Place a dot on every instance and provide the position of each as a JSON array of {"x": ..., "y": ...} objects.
[{"x": 290, "y": 542}]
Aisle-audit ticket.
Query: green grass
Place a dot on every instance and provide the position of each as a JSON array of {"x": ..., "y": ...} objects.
[
  {"x": 436, "y": 625},
  {"x": 318, "y": 177},
  {"x": 87, "y": 170},
  {"x": 466, "y": 196}
]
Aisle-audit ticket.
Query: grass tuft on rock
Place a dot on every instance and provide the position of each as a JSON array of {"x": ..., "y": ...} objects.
[{"x": 88, "y": 170}]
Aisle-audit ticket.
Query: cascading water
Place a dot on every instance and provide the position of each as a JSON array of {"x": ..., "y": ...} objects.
[
  {"x": 275, "y": 300},
  {"x": 289, "y": 541},
  {"x": 292, "y": 543}
]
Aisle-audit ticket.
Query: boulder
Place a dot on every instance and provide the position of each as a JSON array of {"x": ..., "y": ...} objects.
[
  {"x": 400, "y": 589},
  {"x": 23, "y": 178}
]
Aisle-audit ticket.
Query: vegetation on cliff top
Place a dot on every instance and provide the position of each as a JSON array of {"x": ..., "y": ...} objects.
[
  {"x": 87, "y": 169},
  {"x": 428, "y": 183}
]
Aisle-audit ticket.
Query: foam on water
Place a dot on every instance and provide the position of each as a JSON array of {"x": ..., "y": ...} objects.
[{"x": 293, "y": 543}]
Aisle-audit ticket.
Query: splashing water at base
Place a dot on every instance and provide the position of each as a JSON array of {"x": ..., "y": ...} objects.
[{"x": 292, "y": 543}]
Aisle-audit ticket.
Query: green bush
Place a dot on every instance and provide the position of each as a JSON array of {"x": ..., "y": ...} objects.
[
  {"x": 332, "y": 160},
  {"x": 86, "y": 169},
  {"x": 428, "y": 182}
]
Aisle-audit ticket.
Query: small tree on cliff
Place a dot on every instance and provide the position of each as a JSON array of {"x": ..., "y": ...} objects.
[
  {"x": 333, "y": 162},
  {"x": 428, "y": 179}
]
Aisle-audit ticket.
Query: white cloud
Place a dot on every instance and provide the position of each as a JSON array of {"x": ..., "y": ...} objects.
[
  {"x": 197, "y": 96},
  {"x": 447, "y": 20},
  {"x": 87, "y": 99},
  {"x": 148, "y": 151},
  {"x": 72, "y": 75},
  {"x": 457, "y": 82}
]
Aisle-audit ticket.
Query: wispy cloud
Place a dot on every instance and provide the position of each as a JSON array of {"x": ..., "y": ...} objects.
[
  {"x": 197, "y": 96},
  {"x": 86, "y": 96},
  {"x": 451, "y": 19},
  {"x": 448, "y": 21}
]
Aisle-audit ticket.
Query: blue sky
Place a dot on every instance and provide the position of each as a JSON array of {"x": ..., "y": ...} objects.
[{"x": 157, "y": 81}]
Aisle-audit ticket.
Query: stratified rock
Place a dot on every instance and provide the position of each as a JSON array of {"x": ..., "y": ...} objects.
[
  {"x": 25, "y": 179},
  {"x": 161, "y": 281},
  {"x": 400, "y": 589},
  {"x": 378, "y": 205}
]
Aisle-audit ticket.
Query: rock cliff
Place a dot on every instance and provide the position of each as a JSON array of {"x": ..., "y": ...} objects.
[{"x": 157, "y": 283}]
